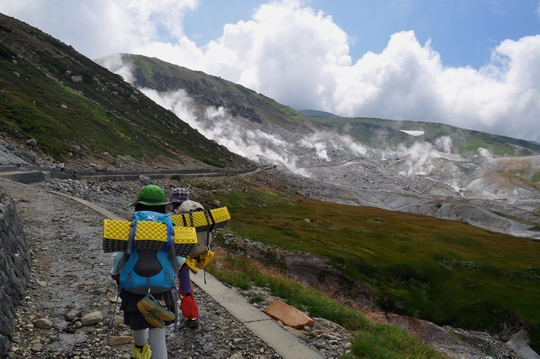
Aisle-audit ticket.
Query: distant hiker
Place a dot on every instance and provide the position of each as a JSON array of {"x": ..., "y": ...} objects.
[
  {"x": 187, "y": 305},
  {"x": 147, "y": 312},
  {"x": 74, "y": 174},
  {"x": 62, "y": 167},
  {"x": 54, "y": 166}
]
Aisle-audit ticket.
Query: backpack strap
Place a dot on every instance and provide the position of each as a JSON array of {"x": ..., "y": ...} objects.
[
  {"x": 170, "y": 241},
  {"x": 131, "y": 239},
  {"x": 129, "y": 247},
  {"x": 191, "y": 218},
  {"x": 211, "y": 221},
  {"x": 184, "y": 220},
  {"x": 131, "y": 242}
]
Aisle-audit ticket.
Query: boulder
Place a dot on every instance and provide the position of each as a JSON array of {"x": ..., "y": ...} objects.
[
  {"x": 119, "y": 340},
  {"x": 92, "y": 318},
  {"x": 145, "y": 180},
  {"x": 42, "y": 323},
  {"x": 71, "y": 315},
  {"x": 31, "y": 142}
]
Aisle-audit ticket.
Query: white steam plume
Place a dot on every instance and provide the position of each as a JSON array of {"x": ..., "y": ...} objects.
[{"x": 259, "y": 146}]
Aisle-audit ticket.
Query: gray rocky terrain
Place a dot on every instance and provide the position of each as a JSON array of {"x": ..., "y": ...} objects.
[{"x": 495, "y": 193}]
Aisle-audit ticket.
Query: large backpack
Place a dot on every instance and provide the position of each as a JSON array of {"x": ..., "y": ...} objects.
[
  {"x": 204, "y": 225},
  {"x": 149, "y": 270}
]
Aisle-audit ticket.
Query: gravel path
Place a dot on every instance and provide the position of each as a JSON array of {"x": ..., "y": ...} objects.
[
  {"x": 71, "y": 298},
  {"x": 71, "y": 278}
]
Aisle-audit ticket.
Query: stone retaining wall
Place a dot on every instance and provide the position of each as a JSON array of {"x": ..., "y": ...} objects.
[{"x": 14, "y": 268}]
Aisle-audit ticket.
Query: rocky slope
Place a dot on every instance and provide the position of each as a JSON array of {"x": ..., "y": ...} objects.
[{"x": 482, "y": 191}]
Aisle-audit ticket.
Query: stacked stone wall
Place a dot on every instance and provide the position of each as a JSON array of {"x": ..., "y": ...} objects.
[{"x": 14, "y": 268}]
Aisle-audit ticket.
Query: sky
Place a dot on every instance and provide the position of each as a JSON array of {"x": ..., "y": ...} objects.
[{"x": 469, "y": 63}]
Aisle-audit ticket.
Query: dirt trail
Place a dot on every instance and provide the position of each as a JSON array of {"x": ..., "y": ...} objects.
[{"x": 70, "y": 273}]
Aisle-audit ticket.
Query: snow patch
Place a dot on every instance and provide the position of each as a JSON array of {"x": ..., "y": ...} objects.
[{"x": 413, "y": 133}]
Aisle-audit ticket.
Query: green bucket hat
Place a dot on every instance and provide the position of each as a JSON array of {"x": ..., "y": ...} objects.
[{"x": 151, "y": 195}]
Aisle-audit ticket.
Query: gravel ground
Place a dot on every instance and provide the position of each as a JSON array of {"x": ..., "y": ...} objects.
[{"x": 71, "y": 298}]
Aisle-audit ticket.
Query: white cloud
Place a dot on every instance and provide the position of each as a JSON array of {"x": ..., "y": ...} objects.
[
  {"x": 216, "y": 124},
  {"x": 99, "y": 28},
  {"x": 312, "y": 69},
  {"x": 115, "y": 64},
  {"x": 260, "y": 146},
  {"x": 485, "y": 153}
]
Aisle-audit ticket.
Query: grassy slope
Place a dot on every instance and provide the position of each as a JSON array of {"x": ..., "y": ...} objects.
[
  {"x": 439, "y": 270},
  {"x": 380, "y": 133},
  {"x": 101, "y": 115},
  {"x": 370, "y": 340}
]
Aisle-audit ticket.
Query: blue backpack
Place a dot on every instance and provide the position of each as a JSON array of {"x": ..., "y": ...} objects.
[{"x": 149, "y": 270}]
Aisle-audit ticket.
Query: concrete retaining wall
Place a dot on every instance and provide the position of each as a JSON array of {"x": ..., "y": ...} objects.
[
  {"x": 29, "y": 175},
  {"x": 14, "y": 268}
]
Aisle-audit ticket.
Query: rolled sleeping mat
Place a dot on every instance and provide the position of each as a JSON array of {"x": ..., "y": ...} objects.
[
  {"x": 203, "y": 220},
  {"x": 148, "y": 235}
]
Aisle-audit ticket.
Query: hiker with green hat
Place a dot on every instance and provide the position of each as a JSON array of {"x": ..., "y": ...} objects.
[{"x": 147, "y": 310}]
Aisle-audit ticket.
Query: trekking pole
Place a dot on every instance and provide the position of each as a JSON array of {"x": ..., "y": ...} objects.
[
  {"x": 111, "y": 324},
  {"x": 175, "y": 309},
  {"x": 115, "y": 306}
]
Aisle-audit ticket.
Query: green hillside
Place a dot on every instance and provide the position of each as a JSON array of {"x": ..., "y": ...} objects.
[{"x": 69, "y": 104}]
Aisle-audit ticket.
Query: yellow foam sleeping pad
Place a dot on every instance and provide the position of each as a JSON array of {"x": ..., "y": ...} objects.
[
  {"x": 202, "y": 221},
  {"x": 148, "y": 235}
]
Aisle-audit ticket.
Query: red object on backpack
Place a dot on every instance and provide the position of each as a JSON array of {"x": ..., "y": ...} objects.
[{"x": 189, "y": 308}]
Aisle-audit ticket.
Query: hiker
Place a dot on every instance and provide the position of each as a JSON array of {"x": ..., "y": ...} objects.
[
  {"x": 62, "y": 167},
  {"x": 54, "y": 166},
  {"x": 147, "y": 314},
  {"x": 74, "y": 174},
  {"x": 187, "y": 305}
]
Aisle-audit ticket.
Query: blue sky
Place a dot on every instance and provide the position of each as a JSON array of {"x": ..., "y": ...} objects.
[
  {"x": 469, "y": 63},
  {"x": 464, "y": 32}
]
